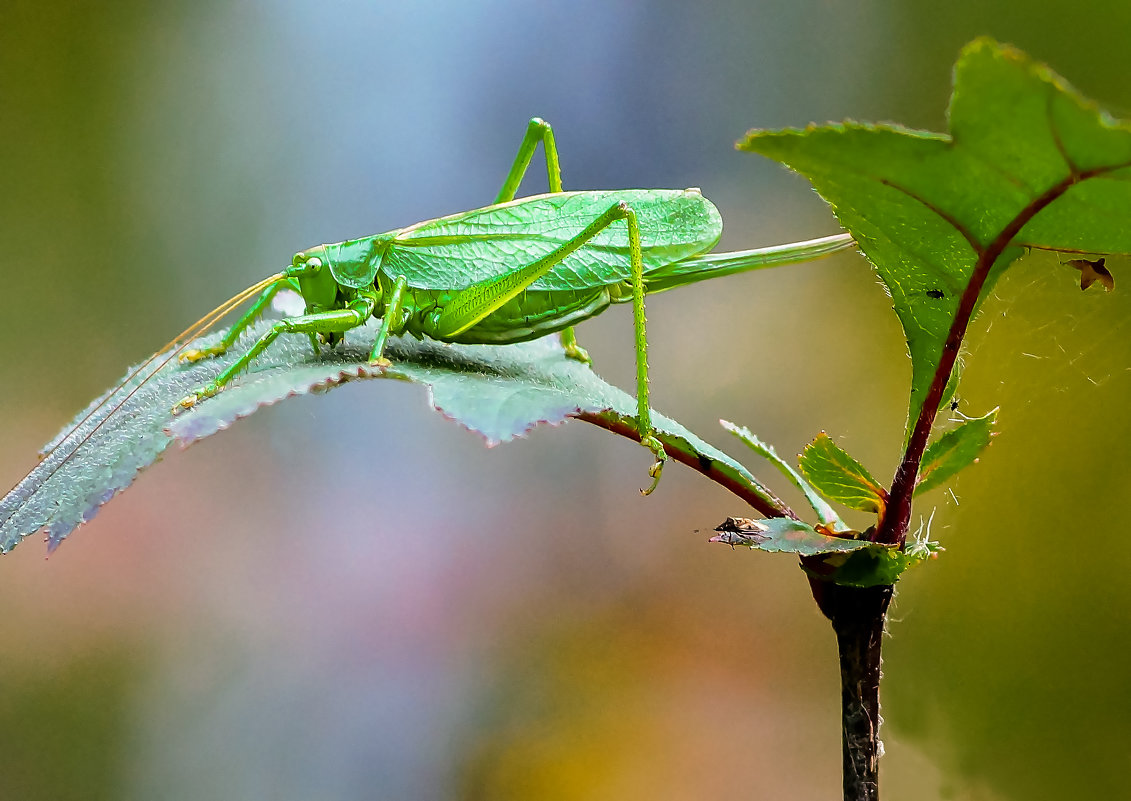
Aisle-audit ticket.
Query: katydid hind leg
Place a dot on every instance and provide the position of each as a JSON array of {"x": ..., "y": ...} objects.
[
  {"x": 643, "y": 402},
  {"x": 475, "y": 302},
  {"x": 391, "y": 318},
  {"x": 540, "y": 130},
  {"x": 537, "y": 130},
  {"x": 337, "y": 321}
]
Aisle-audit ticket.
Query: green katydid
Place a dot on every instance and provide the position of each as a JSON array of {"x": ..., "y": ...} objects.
[{"x": 509, "y": 272}]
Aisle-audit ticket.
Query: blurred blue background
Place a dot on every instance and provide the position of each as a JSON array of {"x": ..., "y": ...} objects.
[{"x": 349, "y": 597}]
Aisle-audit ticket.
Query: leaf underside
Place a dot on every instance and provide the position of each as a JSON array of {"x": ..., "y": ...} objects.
[
  {"x": 499, "y": 392},
  {"x": 1028, "y": 163}
]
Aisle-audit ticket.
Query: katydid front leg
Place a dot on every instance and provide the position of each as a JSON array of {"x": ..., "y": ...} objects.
[
  {"x": 253, "y": 314},
  {"x": 538, "y": 130},
  {"x": 331, "y": 322},
  {"x": 475, "y": 302}
]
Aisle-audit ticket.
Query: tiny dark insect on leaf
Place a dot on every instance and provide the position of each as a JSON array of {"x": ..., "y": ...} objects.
[
  {"x": 937, "y": 294},
  {"x": 1092, "y": 271}
]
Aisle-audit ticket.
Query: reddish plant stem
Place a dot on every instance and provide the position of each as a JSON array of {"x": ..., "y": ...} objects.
[
  {"x": 893, "y": 529},
  {"x": 857, "y": 614},
  {"x": 769, "y": 507}
]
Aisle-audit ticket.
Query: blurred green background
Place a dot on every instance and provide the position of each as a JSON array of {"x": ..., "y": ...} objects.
[{"x": 348, "y": 597}]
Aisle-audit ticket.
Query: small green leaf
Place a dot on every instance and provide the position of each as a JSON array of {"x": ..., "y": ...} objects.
[
  {"x": 1028, "y": 163},
  {"x": 841, "y": 478},
  {"x": 498, "y": 391},
  {"x": 783, "y": 535},
  {"x": 955, "y": 450},
  {"x": 868, "y": 567},
  {"x": 851, "y": 562},
  {"x": 824, "y": 512}
]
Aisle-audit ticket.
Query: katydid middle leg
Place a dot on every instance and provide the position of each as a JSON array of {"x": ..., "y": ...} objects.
[
  {"x": 538, "y": 130},
  {"x": 475, "y": 302},
  {"x": 392, "y": 320}
]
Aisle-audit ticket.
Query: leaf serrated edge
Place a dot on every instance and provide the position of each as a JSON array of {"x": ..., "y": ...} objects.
[
  {"x": 823, "y": 447},
  {"x": 933, "y": 472}
]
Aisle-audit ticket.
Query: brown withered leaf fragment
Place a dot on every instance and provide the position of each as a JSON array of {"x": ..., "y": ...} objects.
[
  {"x": 832, "y": 531},
  {"x": 1092, "y": 271}
]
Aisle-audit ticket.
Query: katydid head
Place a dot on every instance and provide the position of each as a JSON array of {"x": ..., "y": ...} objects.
[
  {"x": 315, "y": 278},
  {"x": 353, "y": 263}
]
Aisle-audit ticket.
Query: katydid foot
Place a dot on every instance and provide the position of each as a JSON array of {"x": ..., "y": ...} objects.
[
  {"x": 197, "y": 354},
  {"x": 657, "y": 448},
  {"x": 190, "y": 400},
  {"x": 578, "y": 353},
  {"x": 572, "y": 349}
]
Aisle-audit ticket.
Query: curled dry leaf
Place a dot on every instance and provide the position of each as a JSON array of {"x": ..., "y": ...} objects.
[{"x": 1092, "y": 271}]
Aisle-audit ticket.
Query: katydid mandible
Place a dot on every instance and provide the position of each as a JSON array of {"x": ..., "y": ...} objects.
[{"x": 509, "y": 272}]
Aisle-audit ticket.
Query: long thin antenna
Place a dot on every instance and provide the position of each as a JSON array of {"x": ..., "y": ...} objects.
[{"x": 180, "y": 342}]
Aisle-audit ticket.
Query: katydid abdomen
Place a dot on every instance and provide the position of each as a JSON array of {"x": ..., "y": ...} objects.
[{"x": 528, "y": 316}]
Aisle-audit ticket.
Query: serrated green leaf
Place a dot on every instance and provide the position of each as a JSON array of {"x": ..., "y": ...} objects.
[
  {"x": 500, "y": 392},
  {"x": 1029, "y": 162},
  {"x": 954, "y": 450},
  {"x": 783, "y": 535},
  {"x": 841, "y": 478},
  {"x": 825, "y": 513}
]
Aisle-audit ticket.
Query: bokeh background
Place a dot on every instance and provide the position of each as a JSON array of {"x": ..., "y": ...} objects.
[{"x": 348, "y": 597}]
